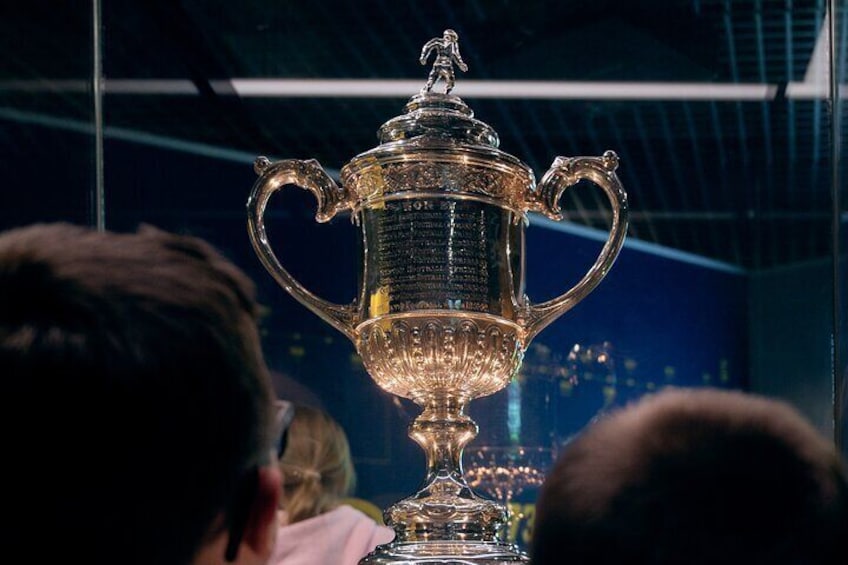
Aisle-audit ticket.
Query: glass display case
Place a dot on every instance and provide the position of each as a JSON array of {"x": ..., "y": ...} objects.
[{"x": 729, "y": 120}]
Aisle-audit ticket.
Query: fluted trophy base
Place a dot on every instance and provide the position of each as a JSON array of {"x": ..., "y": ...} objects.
[{"x": 446, "y": 553}]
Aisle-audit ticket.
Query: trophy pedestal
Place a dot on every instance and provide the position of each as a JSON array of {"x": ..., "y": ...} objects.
[
  {"x": 445, "y": 553},
  {"x": 445, "y": 521}
]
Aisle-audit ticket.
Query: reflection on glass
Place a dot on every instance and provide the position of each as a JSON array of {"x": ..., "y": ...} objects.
[
  {"x": 593, "y": 363},
  {"x": 504, "y": 472}
]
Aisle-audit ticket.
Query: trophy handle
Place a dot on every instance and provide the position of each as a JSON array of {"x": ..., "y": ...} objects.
[
  {"x": 331, "y": 199},
  {"x": 564, "y": 173}
]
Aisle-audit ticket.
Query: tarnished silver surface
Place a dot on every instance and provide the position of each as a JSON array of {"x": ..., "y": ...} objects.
[{"x": 441, "y": 316}]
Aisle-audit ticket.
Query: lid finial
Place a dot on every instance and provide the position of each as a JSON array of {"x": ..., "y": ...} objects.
[{"x": 447, "y": 53}]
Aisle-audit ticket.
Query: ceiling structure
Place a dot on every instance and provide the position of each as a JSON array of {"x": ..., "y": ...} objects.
[{"x": 713, "y": 168}]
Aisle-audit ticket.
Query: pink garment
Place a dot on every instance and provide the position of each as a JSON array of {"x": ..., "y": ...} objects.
[{"x": 341, "y": 536}]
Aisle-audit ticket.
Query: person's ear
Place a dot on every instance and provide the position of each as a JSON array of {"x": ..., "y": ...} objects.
[{"x": 260, "y": 531}]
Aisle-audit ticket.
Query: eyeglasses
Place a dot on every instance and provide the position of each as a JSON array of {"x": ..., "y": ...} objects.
[
  {"x": 282, "y": 420},
  {"x": 249, "y": 483}
]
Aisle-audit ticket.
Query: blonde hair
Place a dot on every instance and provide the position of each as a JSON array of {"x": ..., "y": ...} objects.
[{"x": 316, "y": 465}]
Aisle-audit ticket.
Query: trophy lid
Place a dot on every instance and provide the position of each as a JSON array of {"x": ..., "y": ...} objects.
[
  {"x": 441, "y": 115},
  {"x": 444, "y": 116},
  {"x": 437, "y": 146}
]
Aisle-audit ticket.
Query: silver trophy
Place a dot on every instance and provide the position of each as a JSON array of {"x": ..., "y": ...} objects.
[{"x": 441, "y": 316}]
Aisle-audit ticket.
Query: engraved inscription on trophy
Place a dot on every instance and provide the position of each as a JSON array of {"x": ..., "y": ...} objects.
[{"x": 437, "y": 254}]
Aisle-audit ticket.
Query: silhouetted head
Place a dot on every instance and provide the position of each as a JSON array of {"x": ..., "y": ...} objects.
[
  {"x": 136, "y": 423},
  {"x": 695, "y": 476}
]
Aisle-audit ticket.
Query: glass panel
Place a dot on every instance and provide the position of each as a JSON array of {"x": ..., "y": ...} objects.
[
  {"x": 840, "y": 190},
  {"x": 718, "y": 111},
  {"x": 789, "y": 222},
  {"x": 46, "y": 141}
]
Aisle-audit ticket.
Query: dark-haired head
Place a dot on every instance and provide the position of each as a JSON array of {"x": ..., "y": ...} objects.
[
  {"x": 695, "y": 476},
  {"x": 137, "y": 399}
]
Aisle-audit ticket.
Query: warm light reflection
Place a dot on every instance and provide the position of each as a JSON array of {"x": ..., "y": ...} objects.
[{"x": 506, "y": 472}]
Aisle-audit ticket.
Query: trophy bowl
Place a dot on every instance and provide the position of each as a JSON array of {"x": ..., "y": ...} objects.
[{"x": 441, "y": 316}]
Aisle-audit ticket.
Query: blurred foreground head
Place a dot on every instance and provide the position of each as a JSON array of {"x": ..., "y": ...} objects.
[
  {"x": 696, "y": 476},
  {"x": 137, "y": 403}
]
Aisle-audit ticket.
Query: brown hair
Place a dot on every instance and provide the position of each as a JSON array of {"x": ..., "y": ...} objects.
[
  {"x": 316, "y": 465},
  {"x": 141, "y": 394},
  {"x": 690, "y": 476}
]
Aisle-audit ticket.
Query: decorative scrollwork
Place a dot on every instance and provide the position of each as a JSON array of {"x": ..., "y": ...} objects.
[
  {"x": 564, "y": 173},
  {"x": 306, "y": 174}
]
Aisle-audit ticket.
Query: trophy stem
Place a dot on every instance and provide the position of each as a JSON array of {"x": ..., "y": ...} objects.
[
  {"x": 445, "y": 508},
  {"x": 443, "y": 430},
  {"x": 445, "y": 521}
]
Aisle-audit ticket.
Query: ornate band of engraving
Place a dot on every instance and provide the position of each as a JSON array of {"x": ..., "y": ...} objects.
[
  {"x": 506, "y": 184},
  {"x": 420, "y": 357}
]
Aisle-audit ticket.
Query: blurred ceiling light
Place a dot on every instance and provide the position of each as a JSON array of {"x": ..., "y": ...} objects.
[
  {"x": 816, "y": 82},
  {"x": 353, "y": 88},
  {"x": 110, "y": 86},
  {"x": 551, "y": 90}
]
